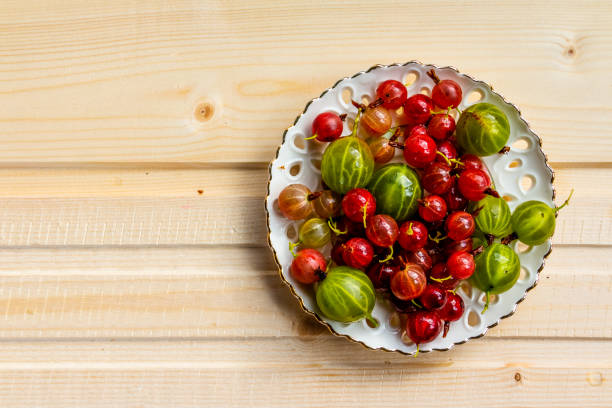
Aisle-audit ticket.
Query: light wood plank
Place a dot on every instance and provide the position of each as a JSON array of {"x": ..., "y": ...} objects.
[
  {"x": 118, "y": 221},
  {"x": 163, "y": 206},
  {"x": 323, "y": 372},
  {"x": 236, "y": 293},
  {"x": 120, "y": 82},
  {"x": 139, "y": 181},
  {"x": 122, "y": 285}
]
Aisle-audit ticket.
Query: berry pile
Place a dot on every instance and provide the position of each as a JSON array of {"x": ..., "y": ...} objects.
[{"x": 411, "y": 232}]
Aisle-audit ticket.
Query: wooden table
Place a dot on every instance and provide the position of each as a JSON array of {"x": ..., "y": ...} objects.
[{"x": 134, "y": 140}]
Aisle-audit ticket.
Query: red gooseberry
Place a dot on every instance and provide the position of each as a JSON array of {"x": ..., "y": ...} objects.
[
  {"x": 459, "y": 225},
  {"x": 433, "y": 297},
  {"x": 460, "y": 265},
  {"x": 441, "y": 126},
  {"x": 453, "y": 309},
  {"x": 412, "y": 235},
  {"x": 423, "y": 326},
  {"x": 337, "y": 253},
  {"x": 454, "y": 199},
  {"x": 464, "y": 245},
  {"x": 432, "y": 208},
  {"x": 358, "y": 204},
  {"x": 471, "y": 162},
  {"x": 376, "y": 120},
  {"x": 440, "y": 275},
  {"x": 358, "y": 253},
  {"x": 418, "y": 109},
  {"x": 420, "y": 257},
  {"x": 473, "y": 184},
  {"x": 408, "y": 282},
  {"x": 419, "y": 148},
  {"x": 446, "y": 94},
  {"x": 327, "y": 127},
  {"x": 382, "y": 230},
  {"x": 436, "y": 178},
  {"x": 380, "y": 274},
  {"x": 392, "y": 93},
  {"x": 308, "y": 266},
  {"x": 447, "y": 149}
]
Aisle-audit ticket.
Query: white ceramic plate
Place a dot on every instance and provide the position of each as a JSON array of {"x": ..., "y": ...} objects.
[{"x": 297, "y": 162}]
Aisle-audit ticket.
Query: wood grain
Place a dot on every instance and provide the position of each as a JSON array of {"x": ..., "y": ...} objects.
[
  {"x": 235, "y": 293},
  {"x": 270, "y": 372},
  {"x": 252, "y": 68},
  {"x": 134, "y": 143},
  {"x": 163, "y": 206}
]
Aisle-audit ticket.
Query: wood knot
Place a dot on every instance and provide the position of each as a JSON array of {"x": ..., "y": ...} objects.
[
  {"x": 595, "y": 379},
  {"x": 517, "y": 377},
  {"x": 204, "y": 111},
  {"x": 570, "y": 51}
]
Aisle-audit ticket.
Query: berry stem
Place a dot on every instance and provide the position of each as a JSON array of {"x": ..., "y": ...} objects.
[
  {"x": 292, "y": 246},
  {"x": 372, "y": 321},
  {"x": 439, "y": 237},
  {"x": 565, "y": 203},
  {"x": 440, "y": 280},
  {"x": 486, "y": 306},
  {"x": 478, "y": 250},
  {"x": 396, "y": 145},
  {"x": 477, "y": 211},
  {"x": 333, "y": 226},
  {"x": 365, "y": 215},
  {"x": 314, "y": 196},
  {"x": 491, "y": 192},
  {"x": 416, "y": 304},
  {"x": 396, "y": 134},
  {"x": 417, "y": 351},
  {"x": 509, "y": 238},
  {"x": 402, "y": 260},
  {"x": 432, "y": 74},
  {"x": 376, "y": 103},
  {"x": 389, "y": 257},
  {"x": 410, "y": 230},
  {"x": 446, "y": 159},
  {"x": 446, "y": 327},
  {"x": 311, "y": 137},
  {"x": 356, "y": 123},
  {"x": 358, "y": 105}
]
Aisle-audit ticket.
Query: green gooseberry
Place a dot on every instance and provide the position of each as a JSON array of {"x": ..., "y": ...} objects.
[
  {"x": 314, "y": 233},
  {"x": 346, "y": 295},
  {"x": 483, "y": 129},
  {"x": 534, "y": 222},
  {"x": 493, "y": 216},
  {"x": 347, "y": 163},
  {"x": 397, "y": 190},
  {"x": 497, "y": 270}
]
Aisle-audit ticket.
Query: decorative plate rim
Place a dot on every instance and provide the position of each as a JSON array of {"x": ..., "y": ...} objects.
[{"x": 292, "y": 289}]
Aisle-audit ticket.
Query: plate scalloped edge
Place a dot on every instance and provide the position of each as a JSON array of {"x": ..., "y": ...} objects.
[{"x": 279, "y": 266}]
